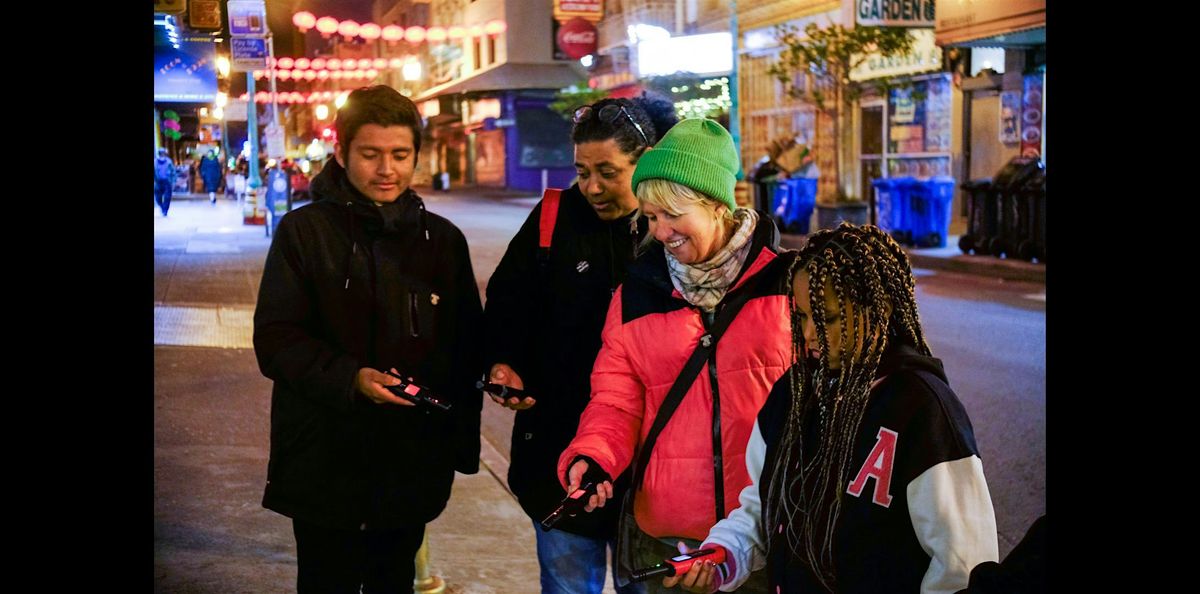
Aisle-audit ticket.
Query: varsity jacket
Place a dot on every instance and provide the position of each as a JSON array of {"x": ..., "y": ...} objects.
[
  {"x": 648, "y": 336},
  {"x": 346, "y": 285},
  {"x": 916, "y": 515}
]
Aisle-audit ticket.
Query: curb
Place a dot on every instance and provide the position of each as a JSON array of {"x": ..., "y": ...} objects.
[{"x": 952, "y": 261}]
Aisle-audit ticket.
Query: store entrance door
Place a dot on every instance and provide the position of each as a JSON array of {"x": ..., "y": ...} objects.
[{"x": 988, "y": 154}]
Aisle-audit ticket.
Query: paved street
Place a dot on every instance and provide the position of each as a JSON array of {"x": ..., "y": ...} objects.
[{"x": 211, "y": 407}]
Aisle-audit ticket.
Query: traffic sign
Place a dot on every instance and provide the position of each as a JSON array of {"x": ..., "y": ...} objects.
[
  {"x": 247, "y": 18},
  {"x": 248, "y": 53}
]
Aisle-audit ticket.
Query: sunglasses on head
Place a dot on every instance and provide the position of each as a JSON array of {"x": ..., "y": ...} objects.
[{"x": 609, "y": 113}]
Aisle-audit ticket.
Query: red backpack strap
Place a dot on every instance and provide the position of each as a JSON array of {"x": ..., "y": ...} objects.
[{"x": 550, "y": 200}]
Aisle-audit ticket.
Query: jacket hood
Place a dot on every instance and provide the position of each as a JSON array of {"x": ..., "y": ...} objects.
[
  {"x": 901, "y": 356},
  {"x": 332, "y": 186}
]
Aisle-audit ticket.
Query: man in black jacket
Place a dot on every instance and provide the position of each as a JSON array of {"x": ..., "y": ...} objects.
[
  {"x": 545, "y": 310},
  {"x": 361, "y": 281}
]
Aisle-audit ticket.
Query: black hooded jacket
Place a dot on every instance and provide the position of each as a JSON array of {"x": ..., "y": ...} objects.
[
  {"x": 544, "y": 320},
  {"x": 349, "y": 284}
]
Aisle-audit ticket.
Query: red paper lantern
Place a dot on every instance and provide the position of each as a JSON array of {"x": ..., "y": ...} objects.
[
  {"x": 333, "y": 64},
  {"x": 286, "y": 63},
  {"x": 322, "y": 75},
  {"x": 475, "y": 31},
  {"x": 302, "y": 63},
  {"x": 456, "y": 32},
  {"x": 348, "y": 29},
  {"x": 327, "y": 26},
  {"x": 364, "y": 63},
  {"x": 369, "y": 31},
  {"x": 393, "y": 33},
  {"x": 304, "y": 20},
  {"x": 414, "y": 34},
  {"x": 283, "y": 74},
  {"x": 378, "y": 63},
  {"x": 317, "y": 63},
  {"x": 495, "y": 27},
  {"x": 336, "y": 75},
  {"x": 297, "y": 74},
  {"x": 372, "y": 73},
  {"x": 310, "y": 75},
  {"x": 436, "y": 34}
]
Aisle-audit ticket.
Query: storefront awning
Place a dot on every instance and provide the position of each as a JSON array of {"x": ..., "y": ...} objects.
[
  {"x": 510, "y": 76},
  {"x": 1013, "y": 23}
]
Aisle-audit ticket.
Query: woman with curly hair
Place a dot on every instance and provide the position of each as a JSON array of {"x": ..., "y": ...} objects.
[{"x": 866, "y": 473}]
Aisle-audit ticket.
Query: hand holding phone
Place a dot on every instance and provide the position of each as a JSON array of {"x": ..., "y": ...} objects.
[
  {"x": 505, "y": 387},
  {"x": 417, "y": 394},
  {"x": 711, "y": 559}
]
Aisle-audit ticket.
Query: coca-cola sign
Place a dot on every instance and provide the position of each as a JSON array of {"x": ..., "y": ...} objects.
[{"x": 575, "y": 39}]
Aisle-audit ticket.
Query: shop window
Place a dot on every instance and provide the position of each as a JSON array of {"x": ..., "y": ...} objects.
[
  {"x": 984, "y": 58},
  {"x": 492, "y": 50},
  {"x": 478, "y": 58},
  {"x": 544, "y": 139}
]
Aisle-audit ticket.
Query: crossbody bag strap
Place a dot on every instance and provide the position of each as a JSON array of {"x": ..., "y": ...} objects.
[
  {"x": 707, "y": 344},
  {"x": 546, "y": 222}
]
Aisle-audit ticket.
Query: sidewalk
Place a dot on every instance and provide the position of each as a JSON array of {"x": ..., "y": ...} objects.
[
  {"x": 211, "y": 434},
  {"x": 951, "y": 259}
]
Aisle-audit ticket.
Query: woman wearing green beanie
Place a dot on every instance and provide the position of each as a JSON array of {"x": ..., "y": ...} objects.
[{"x": 702, "y": 253}]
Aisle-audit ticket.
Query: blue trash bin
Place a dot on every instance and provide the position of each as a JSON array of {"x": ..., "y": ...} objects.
[
  {"x": 892, "y": 206},
  {"x": 780, "y": 196},
  {"x": 929, "y": 203},
  {"x": 802, "y": 197}
]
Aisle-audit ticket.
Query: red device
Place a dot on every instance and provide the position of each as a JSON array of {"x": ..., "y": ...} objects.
[{"x": 678, "y": 565}]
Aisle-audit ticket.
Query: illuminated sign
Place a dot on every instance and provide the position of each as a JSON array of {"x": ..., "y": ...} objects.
[
  {"x": 894, "y": 13},
  {"x": 924, "y": 57},
  {"x": 187, "y": 74},
  {"x": 710, "y": 53}
]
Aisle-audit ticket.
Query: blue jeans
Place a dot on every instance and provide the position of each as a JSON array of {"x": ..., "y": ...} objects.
[
  {"x": 162, "y": 194},
  {"x": 573, "y": 564}
]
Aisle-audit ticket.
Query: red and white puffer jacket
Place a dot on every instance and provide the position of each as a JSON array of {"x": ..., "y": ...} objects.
[{"x": 649, "y": 334}]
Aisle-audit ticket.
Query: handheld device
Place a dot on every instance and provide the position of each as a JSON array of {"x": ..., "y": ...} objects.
[
  {"x": 500, "y": 390},
  {"x": 417, "y": 394},
  {"x": 679, "y": 564},
  {"x": 570, "y": 506}
]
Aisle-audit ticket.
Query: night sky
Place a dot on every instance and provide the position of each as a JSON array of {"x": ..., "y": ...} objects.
[{"x": 279, "y": 18}]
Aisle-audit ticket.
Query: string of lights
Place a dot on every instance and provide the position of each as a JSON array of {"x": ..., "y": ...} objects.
[{"x": 349, "y": 29}]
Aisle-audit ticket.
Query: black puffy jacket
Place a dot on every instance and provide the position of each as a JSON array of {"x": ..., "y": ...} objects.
[
  {"x": 544, "y": 320},
  {"x": 348, "y": 284}
]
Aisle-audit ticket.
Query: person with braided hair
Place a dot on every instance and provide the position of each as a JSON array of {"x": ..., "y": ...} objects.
[{"x": 866, "y": 473}]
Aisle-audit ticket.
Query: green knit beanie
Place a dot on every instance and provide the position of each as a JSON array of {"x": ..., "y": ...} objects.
[{"x": 697, "y": 153}]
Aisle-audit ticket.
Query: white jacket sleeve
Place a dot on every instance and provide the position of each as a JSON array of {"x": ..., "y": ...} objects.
[
  {"x": 740, "y": 532},
  {"x": 952, "y": 515}
]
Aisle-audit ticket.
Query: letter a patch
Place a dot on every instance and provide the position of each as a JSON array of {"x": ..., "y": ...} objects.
[{"x": 878, "y": 465}]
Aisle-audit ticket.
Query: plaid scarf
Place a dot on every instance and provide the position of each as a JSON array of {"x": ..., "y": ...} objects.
[{"x": 704, "y": 284}]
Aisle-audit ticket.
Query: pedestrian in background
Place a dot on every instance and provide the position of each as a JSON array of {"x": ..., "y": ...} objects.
[
  {"x": 210, "y": 171},
  {"x": 545, "y": 309},
  {"x": 666, "y": 384},
  {"x": 866, "y": 474},
  {"x": 164, "y": 180},
  {"x": 362, "y": 281}
]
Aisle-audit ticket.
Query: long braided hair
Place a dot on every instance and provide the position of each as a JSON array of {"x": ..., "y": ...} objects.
[{"x": 869, "y": 276}]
